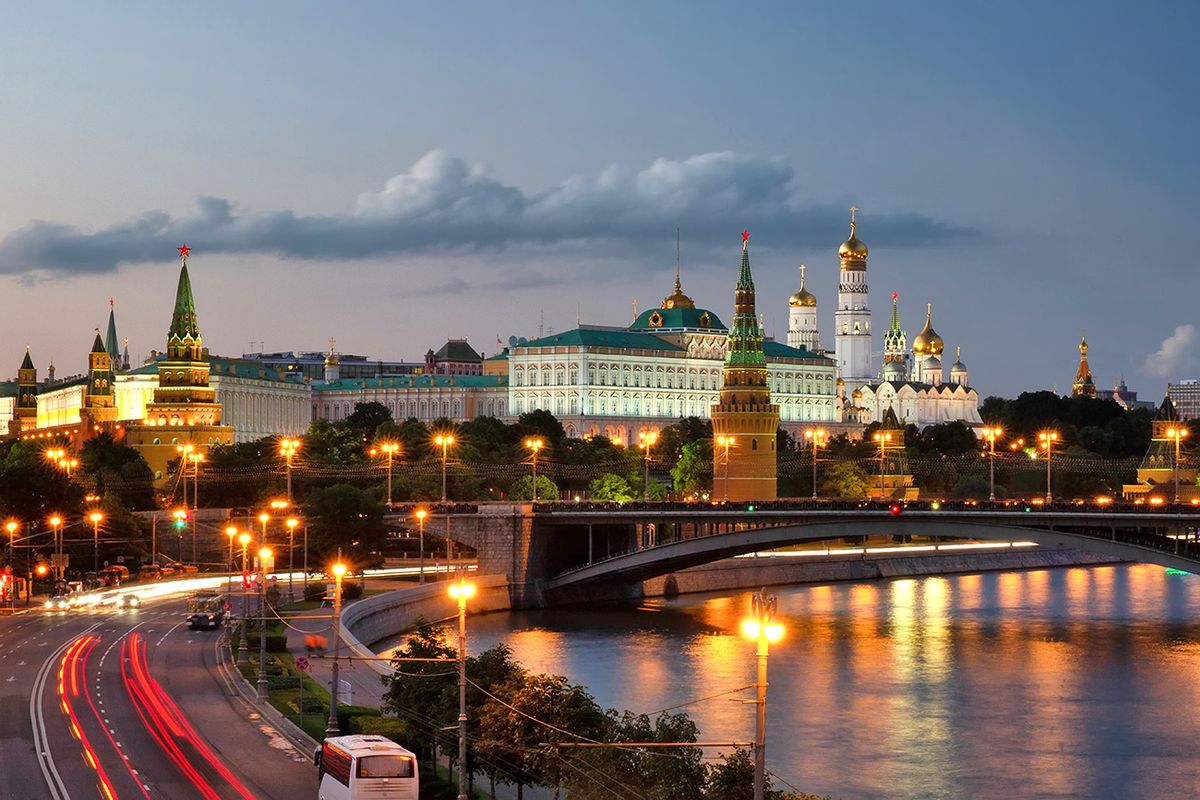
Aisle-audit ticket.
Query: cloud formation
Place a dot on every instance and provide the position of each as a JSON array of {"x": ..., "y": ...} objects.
[
  {"x": 444, "y": 202},
  {"x": 1176, "y": 356}
]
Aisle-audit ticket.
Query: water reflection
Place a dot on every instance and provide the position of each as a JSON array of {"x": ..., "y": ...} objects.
[{"x": 1040, "y": 684}]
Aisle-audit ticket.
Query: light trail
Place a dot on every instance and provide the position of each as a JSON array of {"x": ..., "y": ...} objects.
[{"x": 74, "y": 666}]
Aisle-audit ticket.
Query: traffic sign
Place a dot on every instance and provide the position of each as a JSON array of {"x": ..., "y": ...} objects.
[{"x": 302, "y": 663}]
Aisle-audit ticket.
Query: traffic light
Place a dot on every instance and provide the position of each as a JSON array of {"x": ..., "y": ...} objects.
[
  {"x": 247, "y": 581},
  {"x": 895, "y": 508},
  {"x": 180, "y": 518}
]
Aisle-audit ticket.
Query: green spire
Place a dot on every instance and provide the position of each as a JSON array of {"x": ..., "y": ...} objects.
[
  {"x": 745, "y": 337},
  {"x": 183, "y": 321},
  {"x": 98, "y": 344},
  {"x": 28, "y": 362},
  {"x": 111, "y": 343},
  {"x": 744, "y": 279}
]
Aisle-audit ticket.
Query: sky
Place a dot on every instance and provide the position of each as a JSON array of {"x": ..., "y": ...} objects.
[{"x": 391, "y": 175}]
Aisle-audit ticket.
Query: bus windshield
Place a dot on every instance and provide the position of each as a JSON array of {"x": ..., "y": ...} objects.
[{"x": 385, "y": 767}]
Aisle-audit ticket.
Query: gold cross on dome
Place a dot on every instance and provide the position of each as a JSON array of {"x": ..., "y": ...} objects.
[{"x": 853, "y": 211}]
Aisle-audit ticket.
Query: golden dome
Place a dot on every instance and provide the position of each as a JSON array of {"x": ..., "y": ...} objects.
[
  {"x": 927, "y": 342},
  {"x": 853, "y": 251},
  {"x": 678, "y": 299},
  {"x": 803, "y": 298}
]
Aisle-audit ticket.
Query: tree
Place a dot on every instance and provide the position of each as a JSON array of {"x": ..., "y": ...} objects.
[
  {"x": 845, "y": 479},
  {"x": 674, "y": 438},
  {"x": 366, "y": 419},
  {"x": 523, "y": 489},
  {"x": 694, "y": 470},
  {"x": 976, "y": 487},
  {"x": 654, "y": 774},
  {"x": 542, "y": 423},
  {"x": 421, "y": 700},
  {"x": 328, "y": 443},
  {"x": 733, "y": 779},
  {"x": 348, "y": 517},
  {"x": 610, "y": 487},
  {"x": 117, "y": 469},
  {"x": 947, "y": 438}
]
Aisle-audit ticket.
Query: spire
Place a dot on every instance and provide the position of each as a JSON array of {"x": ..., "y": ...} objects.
[
  {"x": 183, "y": 321},
  {"x": 98, "y": 344},
  {"x": 745, "y": 281},
  {"x": 1085, "y": 384},
  {"x": 27, "y": 363},
  {"x": 677, "y": 299},
  {"x": 125, "y": 357},
  {"x": 745, "y": 334},
  {"x": 111, "y": 343},
  {"x": 895, "y": 311}
]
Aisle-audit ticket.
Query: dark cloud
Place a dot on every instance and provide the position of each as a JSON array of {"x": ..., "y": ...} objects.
[{"x": 442, "y": 202}]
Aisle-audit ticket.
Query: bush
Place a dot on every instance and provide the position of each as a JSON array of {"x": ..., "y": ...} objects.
[
  {"x": 351, "y": 590},
  {"x": 276, "y": 642},
  {"x": 315, "y": 592},
  {"x": 310, "y": 705},
  {"x": 282, "y": 681},
  {"x": 346, "y": 715},
  {"x": 390, "y": 727}
]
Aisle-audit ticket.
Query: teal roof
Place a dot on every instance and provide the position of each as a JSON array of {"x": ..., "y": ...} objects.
[
  {"x": 223, "y": 366},
  {"x": 611, "y": 338},
  {"x": 773, "y": 349},
  {"x": 501, "y": 356},
  {"x": 674, "y": 318},
  {"x": 8, "y": 388},
  {"x": 415, "y": 382},
  {"x": 183, "y": 321}
]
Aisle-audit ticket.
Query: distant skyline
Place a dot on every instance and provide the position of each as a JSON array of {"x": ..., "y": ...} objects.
[{"x": 393, "y": 175}]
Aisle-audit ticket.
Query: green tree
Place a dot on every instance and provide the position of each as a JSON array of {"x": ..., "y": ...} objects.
[
  {"x": 976, "y": 487},
  {"x": 694, "y": 470},
  {"x": 523, "y": 489},
  {"x": 348, "y": 517},
  {"x": 733, "y": 779},
  {"x": 653, "y": 774},
  {"x": 540, "y": 422},
  {"x": 845, "y": 479},
  {"x": 366, "y": 418},
  {"x": 117, "y": 469},
  {"x": 417, "y": 691},
  {"x": 947, "y": 438},
  {"x": 675, "y": 437},
  {"x": 329, "y": 444},
  {"x": 610, "y": 487}
]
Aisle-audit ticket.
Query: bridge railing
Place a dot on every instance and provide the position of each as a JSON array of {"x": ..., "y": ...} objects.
[{"x": 894, "y": 506}]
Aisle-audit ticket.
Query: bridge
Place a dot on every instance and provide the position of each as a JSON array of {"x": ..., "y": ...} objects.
[{"x": 567, "y": 552}]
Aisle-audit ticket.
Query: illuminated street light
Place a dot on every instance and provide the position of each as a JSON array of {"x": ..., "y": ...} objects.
[
  {"x": 817, "y": 438},
  {"x": 287, "y": 449},
  {"x": 762, "y": 628},
  {"x": 263, "y": 686},
  {"x": 1177, "y": 435},
  {"x": 389, "y": 450},
  {"x": 646, "y": 440},
  {"x": 462, "y": 590},
  {"x": 291, "y": 523},
  {"x": 726, "y": 442},
  {"x": 992, "y": 434},
  {"x": 883, "y": 439},
  {"x": 1047, "y": 440},
  {"x": 96, "y": 517},
  {"x": 339, "y": 571},
  {"x": 444, "y": 441},
  {"x": 56, "y": 526},
  {"x": 535, "y": 445},
  {"x": 421, "y": 514}
]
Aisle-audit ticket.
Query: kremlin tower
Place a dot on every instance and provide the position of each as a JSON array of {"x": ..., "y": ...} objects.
[
  {"x": 184, "y": 409},
  {"x": 802, "y": 319},
  {"x": 1085, "y": 385},
  {"x": 99, "y": 404},
  {"x": 852, "y": 317},
  {"x": 745, "y": 412},
  {"x": 27, "y": 390}
]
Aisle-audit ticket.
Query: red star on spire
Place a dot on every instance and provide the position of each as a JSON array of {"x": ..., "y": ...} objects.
[
  {"x": 745, "y": 236},
  {"x": 184, "y": 250},
  {"x": 895, "y": 296}
]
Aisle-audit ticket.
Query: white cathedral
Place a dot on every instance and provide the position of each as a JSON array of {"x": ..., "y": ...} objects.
[{"x": 908, "y": 381}]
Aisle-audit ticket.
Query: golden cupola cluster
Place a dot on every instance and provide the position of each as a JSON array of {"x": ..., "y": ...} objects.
[
  {"x": 803, "y": 298},
  {"x": 928, "y": 342}
]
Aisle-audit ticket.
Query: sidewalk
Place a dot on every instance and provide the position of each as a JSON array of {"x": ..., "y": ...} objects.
[{"x": 366, "y": 685}]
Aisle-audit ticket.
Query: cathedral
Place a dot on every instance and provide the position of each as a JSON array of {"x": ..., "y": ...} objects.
[{"x": 909, "y": 380}]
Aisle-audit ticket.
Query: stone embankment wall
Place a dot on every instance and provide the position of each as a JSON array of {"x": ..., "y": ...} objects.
[
  {"x": 382, "y": 616},
  {"x": 752, "y": 573}
]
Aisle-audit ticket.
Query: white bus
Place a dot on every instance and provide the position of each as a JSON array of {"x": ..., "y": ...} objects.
[{"x": 359, "y": 766}]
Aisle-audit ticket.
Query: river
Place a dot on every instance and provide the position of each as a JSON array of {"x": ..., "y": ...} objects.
[{"x": 1078, "y": 682}]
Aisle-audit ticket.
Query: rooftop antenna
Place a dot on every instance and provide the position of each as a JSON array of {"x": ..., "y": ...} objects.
[
  {"x": 677, "y": 284},
  {"x": 635, "y": 309},
  {"x": 541, "y": 322}
]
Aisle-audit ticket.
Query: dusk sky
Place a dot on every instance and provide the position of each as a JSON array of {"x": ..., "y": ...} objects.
[{"x": 392, "y": 174}]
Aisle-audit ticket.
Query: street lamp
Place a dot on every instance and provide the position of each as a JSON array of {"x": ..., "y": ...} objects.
[
  {"x": 462, "y": 590},
  {"x": 291, "y": 526},
  {"x": 388, "y": 449},
  {"x": 287, "y": 449},
  {"x": 264, "y": 554},
  {"x": 1047, "y": 439},
  {"x": 185, "y": 451},
  {"x": 96, "y": 517},
  {"x": 339, "y": 571},
  {"x": 231, "y": 531},
  {"x": 646, "y": 440},
  {"x": 883, "y": 439},
  {"x": 444, "y": 441},
  {"x": 1177, "y": 435},
  {"x": 817, "y": 438},
  {"x": 56, "y": 526},
  {"x": 11, "y": 526},
  {"x": 535, "y": 445},
  {"x": 421, "y": 514},
  {"x": 726, "y": 442},
  {"x": 992, "y": 434},
  {"x": 760, "y": 626},
  {"x": 244, "y": 539}
]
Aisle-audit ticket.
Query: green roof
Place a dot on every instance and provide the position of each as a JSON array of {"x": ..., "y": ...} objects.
[
  {"x": 457, "y": 350},
  {"x": 501, "y": 356},
  {"x": 183, "y": 321},
  {"x": 773, "y": 349},
  {"x": 414, "y": 382},
  {"x": 612, "y": 338},
  {"x": 674, "y": 318},
  {"x": 8, "y": 388},
  {"x": 237, "y": 367}
]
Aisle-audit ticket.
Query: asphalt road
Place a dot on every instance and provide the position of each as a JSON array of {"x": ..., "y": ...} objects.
[{"x": 123, "y": 705}]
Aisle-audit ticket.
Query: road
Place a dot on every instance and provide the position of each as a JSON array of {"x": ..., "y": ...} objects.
[{"x": 123, "y": 705}]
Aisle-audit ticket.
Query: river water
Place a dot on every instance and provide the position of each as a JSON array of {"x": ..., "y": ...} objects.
[{"x": 1079, "y": 682}]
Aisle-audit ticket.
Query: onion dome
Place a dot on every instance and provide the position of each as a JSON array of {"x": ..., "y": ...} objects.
[
  {"x": 894, "y": 371},
  {"x": 803, "y": 298},
  {"x": 927, "y": 342},
  {"x": 853, "y": 251},
  {"x": 957, "y": 366},
  {"x": 856, "y": 395},
  {"x": 678, "y": 299}
]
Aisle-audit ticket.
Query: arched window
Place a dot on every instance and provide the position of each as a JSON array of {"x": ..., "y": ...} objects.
[{"x": 754, "y": 444}]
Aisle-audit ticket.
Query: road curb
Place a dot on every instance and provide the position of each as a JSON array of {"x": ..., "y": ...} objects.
[{"x": 239, "y": 686}]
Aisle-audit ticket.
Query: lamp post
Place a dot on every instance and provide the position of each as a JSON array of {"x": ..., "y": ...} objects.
[
  {"x": 264, "y": 554},
  {"x": 184, "y": 450},
  {"x": 291, "y": 526},
  {"x": 11, "y": 526},
  {"x": 389, "y": 449},
  {"x": 817, "y": 438},
  {"x": 726, "y": 442},
  {"x": 883, "y": 439},
  {"x": 421, "y": 514},
  {"x": 535, "y": 445},
  {"x": 461, "y": 590},
  {"x": 245, "y": 539},
  {"x": 287, "y": 449},
  {"x": 646, "y": 440},
  {"x": 761, "y": 627},
  {"x": 231, "y": 531},
  {"x": 1177, "y": 435},
  {"x": 992, "y": 434},
  {"x": 195, "y": 458},
  {"x": 1047, "y": 439},
  {"x": 444, "y": 441},
  {"x": 95, "y": 518},
  {"x": 338, "y": 570},
  {"x": 56, "y": 527}
]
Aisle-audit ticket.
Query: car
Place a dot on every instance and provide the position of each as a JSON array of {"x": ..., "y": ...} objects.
[
  {"x": 127, "y": 601},
  {"x": 59, "y": 602}
]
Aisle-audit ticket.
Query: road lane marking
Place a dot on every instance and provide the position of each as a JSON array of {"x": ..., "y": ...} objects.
[{"x": 37, "y": 721}]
